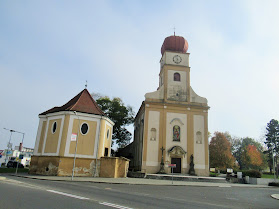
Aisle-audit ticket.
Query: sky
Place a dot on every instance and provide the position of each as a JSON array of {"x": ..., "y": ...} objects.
[{"x": 48, "y": 49}]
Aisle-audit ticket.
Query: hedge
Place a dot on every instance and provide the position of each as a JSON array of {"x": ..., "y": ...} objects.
[{"x": 252, "y": 173}]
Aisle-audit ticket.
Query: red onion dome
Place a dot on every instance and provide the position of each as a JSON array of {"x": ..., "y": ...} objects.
[{"x": 175, "y": 44}]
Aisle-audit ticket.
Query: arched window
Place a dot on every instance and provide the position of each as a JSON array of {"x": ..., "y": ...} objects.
[
  {"x": 153, "y": 134},
  {"x": 54, "y": 127},
  {"x": 176, "y": 77},
  {"x": 176, "y": 133},
  {"x": 107, "y": 133},
  {"x": 199, "y": 137}
]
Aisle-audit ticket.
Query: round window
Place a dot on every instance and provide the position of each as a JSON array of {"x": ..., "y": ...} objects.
[
  {"x": 54, "y": 127},
  {"x": 108, "y": 134},
  {"x": 84, "y": 128}
]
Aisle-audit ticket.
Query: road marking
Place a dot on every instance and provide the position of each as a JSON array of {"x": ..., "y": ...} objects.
[
  {"x": 69, "y": 195},
  {"x": 275, "y": 196},
  {"x": 113, "y": 205},
  {"x": 2, "y": 178},
  {"x": 225, "y": 186}
]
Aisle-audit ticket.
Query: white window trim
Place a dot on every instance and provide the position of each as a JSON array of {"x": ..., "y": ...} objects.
[
  {"x": 62, "y": 117},
  {"x": 87, "y": 129}
]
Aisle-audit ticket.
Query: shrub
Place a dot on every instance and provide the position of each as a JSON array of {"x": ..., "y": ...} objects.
[
  {"x": 273, "y": 184},
  {"x": 223, "y": 171},
  {"x": 252, "y": 173},
  {"x": 212, "y": 174}
]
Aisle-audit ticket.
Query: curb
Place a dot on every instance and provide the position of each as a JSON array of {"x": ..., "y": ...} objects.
[
  {"x": 131, "y": 183},
  {"x": 275, "y": 196}
]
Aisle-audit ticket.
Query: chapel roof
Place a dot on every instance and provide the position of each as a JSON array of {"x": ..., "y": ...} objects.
[
  {"x": 83, "y": 102},
  {"x": 175, "y": 43}
]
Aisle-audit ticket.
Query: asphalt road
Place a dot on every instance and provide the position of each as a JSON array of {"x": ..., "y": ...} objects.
[{"x": 16, "y": 192}]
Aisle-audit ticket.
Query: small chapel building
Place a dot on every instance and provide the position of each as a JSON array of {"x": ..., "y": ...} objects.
[
  {"x": 79, "y": 124},
  {"x": 172, "y": 120}
]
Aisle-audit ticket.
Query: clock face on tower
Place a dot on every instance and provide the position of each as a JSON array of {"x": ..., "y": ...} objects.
[{"x": 177, "y": 59}]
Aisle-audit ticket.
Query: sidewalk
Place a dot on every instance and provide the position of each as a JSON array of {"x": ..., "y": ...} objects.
[{"x": 137, "y": 181}]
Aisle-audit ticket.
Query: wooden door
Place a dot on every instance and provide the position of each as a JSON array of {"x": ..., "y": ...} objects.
[{"x": 176, "y": 161}]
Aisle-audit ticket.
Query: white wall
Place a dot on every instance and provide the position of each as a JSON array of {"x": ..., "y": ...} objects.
[
  {"x": 153, "y": 145},
  {"x": 168, "y": 58},
  {"x": 177, "y": 89},
  {"x": 199, "y": 148}
]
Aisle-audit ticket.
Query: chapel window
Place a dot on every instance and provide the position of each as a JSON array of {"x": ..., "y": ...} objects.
[
  {"x": 176, "y": 133},
  {"x": 199, "y": 137},
  {"x": 176, "y": 77},
  {"x": 54, "y": 127},
  {"x": 84, "y": 128},
  {"x": 108, "y": 134}
]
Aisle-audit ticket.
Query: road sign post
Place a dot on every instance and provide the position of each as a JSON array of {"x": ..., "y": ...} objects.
[
  {"x": 16, "y": 167},
  {"x": 172, "y": 166}
]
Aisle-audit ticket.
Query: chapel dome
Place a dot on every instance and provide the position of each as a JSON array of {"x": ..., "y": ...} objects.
[{"x": 175, "y": 44}]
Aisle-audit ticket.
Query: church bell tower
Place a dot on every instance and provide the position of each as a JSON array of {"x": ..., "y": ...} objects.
[{"x": 175, "y": 70}]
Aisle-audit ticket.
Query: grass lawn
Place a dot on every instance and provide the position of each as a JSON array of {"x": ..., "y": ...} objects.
[
  {"x": 13, "y": 170},
  {"x": 214, "y": 174},
  {"x": 268, "y": 176}
]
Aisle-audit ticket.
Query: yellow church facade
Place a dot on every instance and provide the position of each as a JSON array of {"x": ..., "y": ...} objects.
[
  {"x": 172, "y": 120},
  {"x": 80, "y": 124}
]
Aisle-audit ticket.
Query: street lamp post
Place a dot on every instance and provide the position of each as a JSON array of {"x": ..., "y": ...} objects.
[
  {"x": 9, "y": 143},
  {"x": 73, "y": 171},
  {"x": 273, "y": 163},
  {"x": 20, "y": 149},
  {"x": 274, "y": 148}
]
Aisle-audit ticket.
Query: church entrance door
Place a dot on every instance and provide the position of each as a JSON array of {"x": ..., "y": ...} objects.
[{"x": 176, "y": 161}]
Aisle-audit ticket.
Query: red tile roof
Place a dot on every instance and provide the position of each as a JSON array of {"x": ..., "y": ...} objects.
[{"x": 83, "y": 102}]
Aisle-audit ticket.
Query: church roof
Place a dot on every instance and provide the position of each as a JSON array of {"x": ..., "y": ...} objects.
[
  {"x": 83, "y": 102},
  {"x": 175, "y": 44}
]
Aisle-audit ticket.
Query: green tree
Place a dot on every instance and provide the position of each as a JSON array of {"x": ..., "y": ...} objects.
[
  {"x": 220, "y": 152},
  {"x": 272, "y": 142},
  {"x": 235, "y": 147},
  {"x": 120, "y": 114},
  {"x": 244, "y": 149}
]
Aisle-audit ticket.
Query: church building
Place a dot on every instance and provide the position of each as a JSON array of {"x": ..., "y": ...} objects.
[
  {"x": 171, "y": 126},
  {"x": 77, "y": 129}
]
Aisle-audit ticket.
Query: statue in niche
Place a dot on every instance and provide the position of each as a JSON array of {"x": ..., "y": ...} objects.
[{"x": 192, "y": 170}]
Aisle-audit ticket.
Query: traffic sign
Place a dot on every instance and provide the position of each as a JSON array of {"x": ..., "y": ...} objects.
[
  {"x": 172, "y": 165},
  {"x": 8, "y": 152}
]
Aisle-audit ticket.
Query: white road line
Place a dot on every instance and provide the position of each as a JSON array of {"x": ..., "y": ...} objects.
[
  {"x": 113, "y": 205},
  {"x": 69, "y": 195}
]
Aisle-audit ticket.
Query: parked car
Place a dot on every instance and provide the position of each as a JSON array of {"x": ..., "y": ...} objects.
[{"x": 13, "y": 164}]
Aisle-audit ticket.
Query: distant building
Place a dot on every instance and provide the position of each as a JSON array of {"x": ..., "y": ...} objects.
[
  {"x": 14, "y": 155},
  {"x": 79, "y": 122},
  {"x": 173, "y": 119}
]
